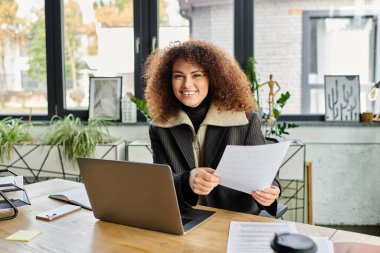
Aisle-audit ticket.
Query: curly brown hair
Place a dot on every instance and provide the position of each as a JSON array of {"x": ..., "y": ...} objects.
[{"x": 229, "y": 88}]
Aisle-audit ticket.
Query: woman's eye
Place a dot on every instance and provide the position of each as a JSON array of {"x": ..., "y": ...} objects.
[
  {"x": 178, "y": 77},
  {"x": 197, "y": 75}
]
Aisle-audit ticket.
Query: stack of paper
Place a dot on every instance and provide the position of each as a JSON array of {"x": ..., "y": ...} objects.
[
  {"x": 247, "y": 237},
  {"x": 11, "y": 185},
  {"x": 255, "y": 236}
]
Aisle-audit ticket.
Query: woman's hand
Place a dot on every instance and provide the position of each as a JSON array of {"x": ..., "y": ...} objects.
[
  {"x": 267, "y": 196},
  {"x": 202, "y": 180}
]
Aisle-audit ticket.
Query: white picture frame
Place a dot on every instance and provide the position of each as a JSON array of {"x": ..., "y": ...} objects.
[
  {"x": 342, "y": 98},
  {"x": 105, "y": 98}
]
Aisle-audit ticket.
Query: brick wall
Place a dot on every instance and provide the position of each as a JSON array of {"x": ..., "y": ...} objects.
[
  {"x": 278, "y": 38},
  {"x": 278, "y": 41},
  {"x": 215, "y": 24}
]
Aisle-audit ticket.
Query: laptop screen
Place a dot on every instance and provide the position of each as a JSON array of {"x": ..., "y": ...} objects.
[{"x": 134, "y": 194}]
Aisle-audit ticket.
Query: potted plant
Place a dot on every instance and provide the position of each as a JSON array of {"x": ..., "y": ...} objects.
[
  {"x": 272, "y": 128},
  {"x": 54, "y": 155},
  {"x": 252, "y": 78},
  {"x": 141, "y": 106},
  {"x": 275, "y": 128},
  {"x": 76, "y": 138},
  {"x": 12, "y": 132}
]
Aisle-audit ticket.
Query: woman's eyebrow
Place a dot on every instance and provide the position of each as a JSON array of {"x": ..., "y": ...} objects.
[{"x": 192, "y": 72}]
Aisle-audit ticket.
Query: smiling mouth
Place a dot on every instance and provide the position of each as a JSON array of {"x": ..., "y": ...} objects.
[{"x": 188, "y": 93}]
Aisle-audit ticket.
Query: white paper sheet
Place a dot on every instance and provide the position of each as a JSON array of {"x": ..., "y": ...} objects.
[
  {"x": 255, "y": 236},
  {"x": 251, "y": 168},
  {"x": 324, "y": 245},
  {"x": 9, "y": 183}
]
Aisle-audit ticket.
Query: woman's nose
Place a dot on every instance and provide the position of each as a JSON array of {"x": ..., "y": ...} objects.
[{"x": 188, "y": 81}]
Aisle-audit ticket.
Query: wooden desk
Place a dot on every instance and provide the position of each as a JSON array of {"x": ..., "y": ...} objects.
[
  {"x": 81, "y": 232},
  {"x": 346, "y": 236}
]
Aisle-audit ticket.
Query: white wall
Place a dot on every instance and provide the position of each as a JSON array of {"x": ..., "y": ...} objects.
[{"x": 346, "y": 172}]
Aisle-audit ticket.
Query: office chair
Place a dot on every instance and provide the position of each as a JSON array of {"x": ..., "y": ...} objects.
[{"x": 281, "y": 208}]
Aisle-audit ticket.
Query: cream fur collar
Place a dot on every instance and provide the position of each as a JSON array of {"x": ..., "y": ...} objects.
[{"x": 213, "y": 117}]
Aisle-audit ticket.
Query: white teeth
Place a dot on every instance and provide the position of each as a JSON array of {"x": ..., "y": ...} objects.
[{"x": 188, "y": 92}]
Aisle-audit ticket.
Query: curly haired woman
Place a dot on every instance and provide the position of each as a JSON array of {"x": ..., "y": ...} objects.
[{"x": 200, "y": 101}]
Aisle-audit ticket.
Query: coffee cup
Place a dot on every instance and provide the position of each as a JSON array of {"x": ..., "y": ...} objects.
[{"x": 293, "y": 243}]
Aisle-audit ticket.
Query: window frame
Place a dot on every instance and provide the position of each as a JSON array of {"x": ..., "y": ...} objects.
[
  {"x": 145, "y": 28},
  {"x": 244, "y": 31},
  {"x": 146, "y": 24},
  {"x": 306, "y": 48}
]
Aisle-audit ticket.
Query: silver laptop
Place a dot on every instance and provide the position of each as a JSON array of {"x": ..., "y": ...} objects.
[{"x": 138, "y": 195}]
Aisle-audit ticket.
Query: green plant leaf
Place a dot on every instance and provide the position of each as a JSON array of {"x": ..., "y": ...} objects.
[
  {"x": 281, "y": 127},
  {"x": 12, "y": 132},
  {"x": 292, "y": 125},
  {"x": 283, "y": 99},
  {"x": 141, "y": 106},
  {"x": 252, "y": 78},
  {"x": 276, "y": 113},
  {"x": 76, "y": 138},
  {"x": 250, "y": 71},
  {"x": 270, "y": 128}
]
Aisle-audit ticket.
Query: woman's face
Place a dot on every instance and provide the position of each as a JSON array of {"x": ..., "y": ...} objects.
[{"x": 190, "y": 84}]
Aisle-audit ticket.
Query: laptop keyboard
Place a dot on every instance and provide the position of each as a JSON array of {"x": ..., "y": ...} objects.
[{"x": 185, "y": 220}]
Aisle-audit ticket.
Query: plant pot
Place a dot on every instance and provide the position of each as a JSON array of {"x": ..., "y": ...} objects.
[{"x": 39, "y": 162}]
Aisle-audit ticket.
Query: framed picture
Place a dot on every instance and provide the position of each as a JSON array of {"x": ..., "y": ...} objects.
[
  {"x": 105, "y": 98},
  {"x": 342, "y": 98}
]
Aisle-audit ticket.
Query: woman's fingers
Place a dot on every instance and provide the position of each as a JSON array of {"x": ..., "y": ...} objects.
[
  {"x": 267, "y": 196},
  {"x": 274, "y": 190},
  {"x": 207, "y": 174},
  {"x": 263, "y": 201},
  {"x": 204, "y": 181},
  {"x": 202, "y": 190},
  {"x": 207, "y": 184}
]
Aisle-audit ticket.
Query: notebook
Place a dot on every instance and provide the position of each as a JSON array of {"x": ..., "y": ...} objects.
[
  {"x": 138, "y": 195},
  {"x": 76, "y": 196}
]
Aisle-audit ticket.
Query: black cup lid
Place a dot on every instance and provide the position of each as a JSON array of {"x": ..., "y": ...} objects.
[{"x": 293, "y": 243}]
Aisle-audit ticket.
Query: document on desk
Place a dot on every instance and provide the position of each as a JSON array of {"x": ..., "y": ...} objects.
[
  {"x": 77, "y": 196},
  {"x": 251, "y": 168},
  {"x": 255, "y": 236},
  {"x": 324, "y": 245}
]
